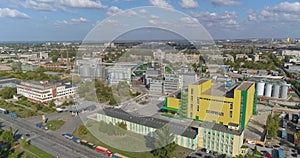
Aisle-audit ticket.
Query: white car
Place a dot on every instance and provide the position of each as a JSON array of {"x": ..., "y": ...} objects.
[{"x": 207, "y": 151}]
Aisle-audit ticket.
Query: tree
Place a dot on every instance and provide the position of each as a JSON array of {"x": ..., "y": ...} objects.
[
  {"x": 24, "y": 142},
  {"x": 272, "y": 125},
  {"x": 164, "y": 142},
  {"x": 8, "y": 92},
  {"x": 13, "y": 155},
  {"x": 7, "y": 137},
  {"x": 16, "y": 66},
  {"x": 52, "y": 104},
  {"x": 122, "y": 125}
]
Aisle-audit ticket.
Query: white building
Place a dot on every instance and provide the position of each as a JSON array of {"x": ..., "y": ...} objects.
[
  {"x": 171, "y": 83},
  {"x": 45, "y": 91},
  {"x": 118, "y": 73}
]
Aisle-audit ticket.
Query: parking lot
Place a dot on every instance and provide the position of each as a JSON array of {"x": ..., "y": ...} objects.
[{"x": 203, "y": 153}]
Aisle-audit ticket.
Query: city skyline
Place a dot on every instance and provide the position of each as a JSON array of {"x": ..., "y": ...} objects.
[{"x": 71, "y": 20}]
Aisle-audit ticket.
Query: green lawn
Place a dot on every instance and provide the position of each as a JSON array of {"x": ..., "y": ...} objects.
[
  {"x": 123, "y": 141},
  {"x": 31, "y": 151},
  {"x": 20, "y": 111},
  {"x": 35, "y": 106},
  {"x": 55, "y": 124}
]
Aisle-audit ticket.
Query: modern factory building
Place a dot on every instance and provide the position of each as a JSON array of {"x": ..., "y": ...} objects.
[
  {"x": 214, "y": 103},
  {"x": 222, "y": 113}
]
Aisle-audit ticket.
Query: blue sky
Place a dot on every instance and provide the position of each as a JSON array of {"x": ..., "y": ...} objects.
[{"x": 57, "y": 20}]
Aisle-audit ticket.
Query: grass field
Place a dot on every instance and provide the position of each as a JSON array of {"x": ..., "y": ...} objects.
[
  {"x": 126, "y": 140},
  {"x": 55, "y": 124},
  {"x": 20, "y": 111},
  {"x": 31, "y": 151}
]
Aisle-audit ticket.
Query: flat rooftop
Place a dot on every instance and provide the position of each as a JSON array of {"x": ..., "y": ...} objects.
[
  {"x": 42, "y": 85},
  {"x": 218, "y": 89},
  {"x": 156, "y": 123},
  {"x": 245, "y": 86},
  {"x": 200, "y": 81},
  {"x": 220, "y": 128}
]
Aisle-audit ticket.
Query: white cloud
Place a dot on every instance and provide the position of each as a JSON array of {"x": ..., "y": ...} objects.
[
  {"x": 113, "y": 10},
  {"x": 158, "y": 23},
  {"x": 252, "y": 17},
  {"x": 46, "y": 1},
  {"x": 282, "y": 12},
  {"x": 71, "y": 22},
  {"x": 189, "y": 3},
  {"x": 143, "y": 10},
  {"x": 161, "y": 4},
  {"x": 154, "y": 17},
  {"x": 42, "y": 5},
  {"x": 225, "y": 19},
  {"x": 288, "y": 7},
  {"x": 12, "y": 13},
  {"x": 188, "y": 21},
  {"x": 79, "y": 20},
  {"x": 82, "y": 4},
  {"x": 224, "y": 2}
]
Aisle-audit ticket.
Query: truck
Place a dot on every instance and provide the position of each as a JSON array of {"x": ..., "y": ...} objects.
[
  {"x": 13, "y": 115},
  {"x": 103, "y": 150},
  {"x": 283, "y": 133}
]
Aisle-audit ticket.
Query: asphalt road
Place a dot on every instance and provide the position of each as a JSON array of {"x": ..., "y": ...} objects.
[{"x": 53, "y": 143}]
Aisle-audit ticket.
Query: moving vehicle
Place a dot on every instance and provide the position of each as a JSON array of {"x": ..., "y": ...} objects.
[
  {"x": 103, "y": 150},
  {"x": 4, "y": 111}
]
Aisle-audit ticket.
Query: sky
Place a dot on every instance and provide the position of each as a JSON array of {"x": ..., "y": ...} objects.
[{"x": 73, "y": 20}]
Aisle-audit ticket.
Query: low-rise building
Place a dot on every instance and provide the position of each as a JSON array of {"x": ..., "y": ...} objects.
[
  {"x": 46, "y": 91},
  {"x": 184, "y": 135},
  {"x": 9, "y": 82}
]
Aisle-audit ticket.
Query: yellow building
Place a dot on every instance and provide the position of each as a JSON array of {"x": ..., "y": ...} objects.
[
  {"x": 219, "y": 138},
  {"x": 213, "y": 103},
  {"x": 221, "y": 113}
]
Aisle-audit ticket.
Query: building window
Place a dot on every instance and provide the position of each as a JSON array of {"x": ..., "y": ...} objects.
[
  {"x": 191, "y": 106},
  {"x": 197, "y": 107},
  {"x": 231, "y": 106},
  {"x": 230, "y": 114},
  {"x": 192, "y": 91},
  {"x": 191, "y": 114},
  {"x": 192, "y": 98}
]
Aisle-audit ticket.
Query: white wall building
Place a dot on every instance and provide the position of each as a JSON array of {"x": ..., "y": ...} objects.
[{"x": 45, "y": 92}]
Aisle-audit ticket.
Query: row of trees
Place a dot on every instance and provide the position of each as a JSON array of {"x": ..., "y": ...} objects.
[
  {"x": 8, "y": 92},
  {"x": 272, "y": 125},
  {"x": 29, "y": 75},
  {"x": 7, "y": 143}
]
